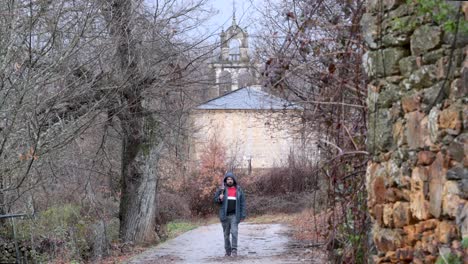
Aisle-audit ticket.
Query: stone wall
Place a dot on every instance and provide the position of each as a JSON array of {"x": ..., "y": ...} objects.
[
  {"x": 417, "y": 180},
  {"x": 9, "y": 253}
]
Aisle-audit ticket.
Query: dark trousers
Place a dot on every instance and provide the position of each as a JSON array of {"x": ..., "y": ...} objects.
[{"x": 230, "y": 227}]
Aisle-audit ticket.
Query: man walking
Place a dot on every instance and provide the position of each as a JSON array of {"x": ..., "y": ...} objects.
[{"x": 232, "y": 211}]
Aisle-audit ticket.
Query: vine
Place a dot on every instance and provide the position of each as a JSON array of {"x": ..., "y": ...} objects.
[{"x": 442, "y": 13}]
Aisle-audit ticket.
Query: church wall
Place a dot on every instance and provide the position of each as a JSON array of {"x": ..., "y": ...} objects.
[{"x": 247, "y": 134}]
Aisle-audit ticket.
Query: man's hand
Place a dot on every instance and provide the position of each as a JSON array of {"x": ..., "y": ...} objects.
[{"x": 221, "y": 197}]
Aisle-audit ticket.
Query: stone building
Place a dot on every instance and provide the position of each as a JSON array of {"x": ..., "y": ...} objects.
[
  {"x": 254, "y": 126},
  {"x": 417, "y": 178}
]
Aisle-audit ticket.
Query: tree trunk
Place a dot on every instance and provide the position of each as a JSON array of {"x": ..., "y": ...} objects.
[
  {"x": 139, "y": 182},
  {"x": 140, "y": 150}
]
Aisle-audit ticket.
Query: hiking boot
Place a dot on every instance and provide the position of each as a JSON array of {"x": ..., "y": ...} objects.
[
  {"x": 234, "y": 253},
  {"x": 228, "y": 254}
]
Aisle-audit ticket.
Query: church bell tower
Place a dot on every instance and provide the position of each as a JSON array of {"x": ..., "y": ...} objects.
[{"x": 233, "y": 68}]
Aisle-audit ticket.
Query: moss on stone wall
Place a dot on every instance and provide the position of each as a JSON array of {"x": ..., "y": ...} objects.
[{"x": 418, "y": 177}]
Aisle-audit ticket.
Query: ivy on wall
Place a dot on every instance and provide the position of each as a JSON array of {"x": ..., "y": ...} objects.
[{"x": 442, "y": 12}]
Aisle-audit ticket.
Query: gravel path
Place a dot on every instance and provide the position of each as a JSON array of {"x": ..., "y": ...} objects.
[{"x": 258, "y": 244}]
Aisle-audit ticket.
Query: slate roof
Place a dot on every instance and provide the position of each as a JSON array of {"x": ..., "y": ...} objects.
[{"x": 247, "y": 98}]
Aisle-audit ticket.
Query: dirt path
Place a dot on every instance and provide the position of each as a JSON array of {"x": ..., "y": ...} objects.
[{"x": 258, "y": 243}]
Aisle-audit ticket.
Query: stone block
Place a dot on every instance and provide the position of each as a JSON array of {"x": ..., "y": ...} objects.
[
  {"x": 430, "y": 94},
  {"x": 417, "y": 132},
  {"x": 395, "y": 39},
  {"x": 457, "y": 173},
  {"x": 463, "y": 186},
  {"x": 421, "y": 78},
  {"x": 411, "y": 235},
  {"x": 386, "y": 239},
  {"x": 425, "y": 157},
  {"x": 391, "y": 255},
  {"x": 456, "y": 150},
  {"x": 433, "y": 125},
  {"x": 408, "y": 65},
  {"x": 405, "y": 254},
  {"x": 398, "y": 133},
  {"x": 419, "y": 176},
  {"x": 370, "y": 30},
  {"x": 383, "y": 63},
  {"x": 378, "y": 188},
  {"x": 401, "y": 214},
  {"x": 451, "y": 203},
  {"x": 450, "y": 118},
  {"x": 372, "y": 97},
  {"x": 388, "y": 96},
  {"x": 451, "y": 187},
  {"x": 446, "y": 232},
  {"x": 396, "y": 111},
  {"x": 377, "y": 213},
  {"x": 390, "y": 196},
  {"x": 380, "y": 131},
  {"x": 462, "y": 219},
  {"x": 419, "y": 206},
  {"x": 442, "y": 67},
  {"x": 437, "y": 179},
  {"x": 429, "y": 242},
  {"x": 432, "y": 56},
  {"x": 402, "y": 195},
  {"x": 427, "y": 225},
  {"x": 411, "y": 102},
  {"x": 458, "y": 89},
  {"x": 425, "y": 38},
  {"x": 388, "y": 215}
]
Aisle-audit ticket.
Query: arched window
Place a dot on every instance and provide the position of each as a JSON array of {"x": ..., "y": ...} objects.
[
  {"x": 234, "y": 50},
  {"x": 225, "y": 82}
]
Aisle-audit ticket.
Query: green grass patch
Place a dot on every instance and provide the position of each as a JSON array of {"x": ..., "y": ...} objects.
[
  {"x": 449, "y": 258},
  {"x": 176, "y": 228},
  {"x": 465, "y": 243}
]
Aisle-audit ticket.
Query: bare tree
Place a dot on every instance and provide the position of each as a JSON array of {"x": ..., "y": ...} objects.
[
  {"x": 42, "y": 69},
  {"x": 70, "y": 65},
  {"x": 313, "y": 57}
]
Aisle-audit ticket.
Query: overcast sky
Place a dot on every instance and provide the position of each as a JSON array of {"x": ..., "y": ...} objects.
[{"x": 245, "y": 14}]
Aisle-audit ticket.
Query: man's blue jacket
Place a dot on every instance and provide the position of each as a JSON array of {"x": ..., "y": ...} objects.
[{"x": 240, "y": 200}]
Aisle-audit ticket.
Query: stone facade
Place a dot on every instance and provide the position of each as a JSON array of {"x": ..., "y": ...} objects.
[
  {"x": 251, "y": 141},
  {"x": 417, "y": 179},
  {"x": 233, "y": 68}
]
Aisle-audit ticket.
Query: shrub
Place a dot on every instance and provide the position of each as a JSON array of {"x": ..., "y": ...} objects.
[
  {"x": 203, "y": 182},
  {"x": 282, "y": 181},
  {"x": 172, "y": 207},
  {"x": 61, "y": 233},
  {"x": 258, "y": 204}
]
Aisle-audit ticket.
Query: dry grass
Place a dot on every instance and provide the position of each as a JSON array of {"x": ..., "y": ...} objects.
[
  {"x": 305, "y": 225},
  {"x": 272, "y": 218},
  {"x": 314, "y": 227},
  {"x": 310, "y": 227}
]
